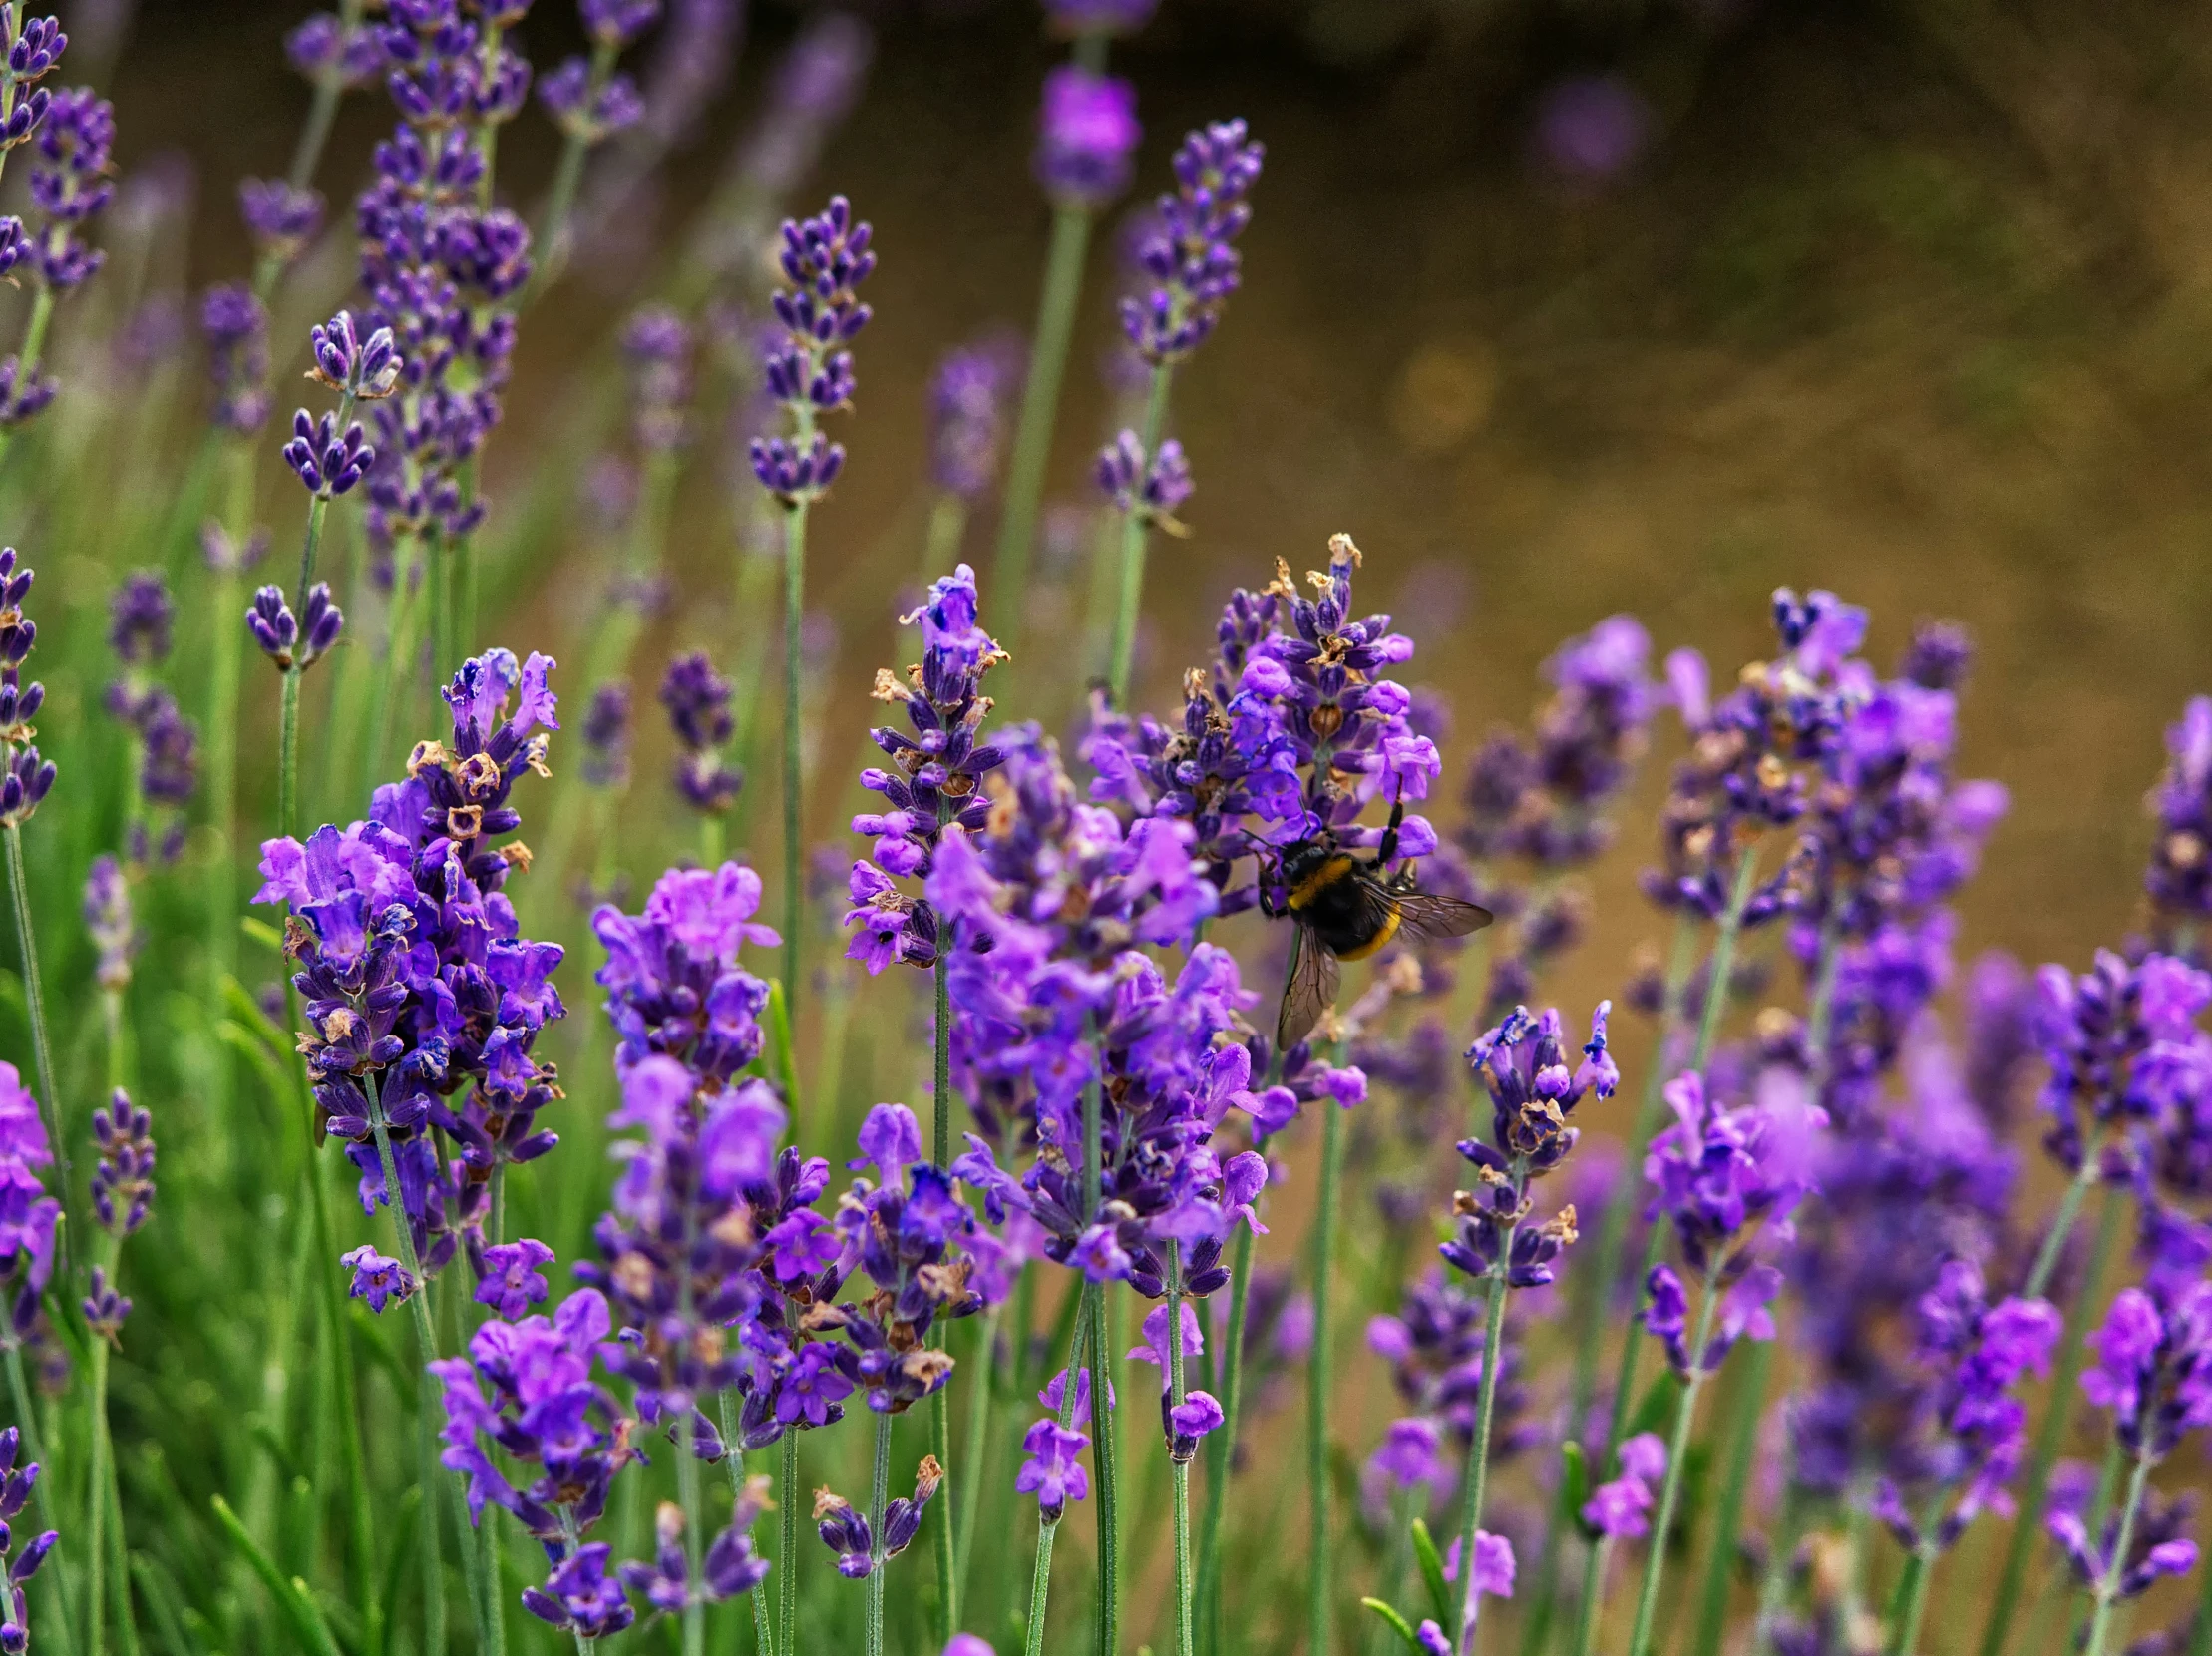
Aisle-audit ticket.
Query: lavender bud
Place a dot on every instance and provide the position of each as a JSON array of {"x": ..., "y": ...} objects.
[
  {"x": 123, "y": 1174},
  {"x": 138, "y": 618},
  {"x": 1086, "y": 133},
  {"x": 328, "y": 463}
]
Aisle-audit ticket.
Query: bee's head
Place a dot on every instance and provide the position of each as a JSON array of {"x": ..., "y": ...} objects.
[{"x": 1303, "y": 857}]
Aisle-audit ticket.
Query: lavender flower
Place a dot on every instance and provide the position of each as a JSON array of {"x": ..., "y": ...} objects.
[
  {"x": 1151, "y": 490},
  {"x": 377, "y": 1279},
  {"x": 1622, "y": 1507},
  {"x": 656, "y": 346},
  {"x": 2126, "y": 1058},
  {"x": 1087, "y": 133},
  {"x": 934, "y": 780},
  {"x": 322, "y": 47},
  {"x": 847, "y": 1532},
  {"x": 16, "y": 1484},
  {"x": 123, "y": 1170},
  {"x": 580, "y": 1595},
  {"x": 698, "y": 702},
  {"x": 283, "y": 638},
  {"x": 29, "y": 1217},
  {"x": 417, "y": 983},
  {"x": 606, "y": 734},
  {"x": 729, "y": 1568},
  {"x": 2179, "y": 878},
  {"x": 26, "y": 778},
  {"x": 1191, "y": 258},
  {"x": 2158, "y": 1545},
  {"x": 2153, "y": 1367},
  {"x": 809, "y": 370},
  {"x": 280, "y": 218}
]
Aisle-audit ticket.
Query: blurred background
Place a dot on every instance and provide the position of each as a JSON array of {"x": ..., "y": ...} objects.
[{"x": 1562, "y": 308}]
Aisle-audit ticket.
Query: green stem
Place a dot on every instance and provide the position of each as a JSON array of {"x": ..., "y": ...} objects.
[
  {"x": 395, "y": 685},
  {"x": 307, "y": 153},
  {"x": 1774, "y": 1584},
  {"x": 42, "y": 1046},
  {"x": 1321, "y": 1582},
  {"x": 95, "y": 1485},
  {"x": 2108, "y": 1589},
  {"x": 1134, "y": 526},
  {"x": 1221, "y": 1451},
  {"x": 43, "y": 1490},
  {"x": 34, "y": 344},
  {"x": 2051, "y": 1439},
  {"x": 794, "y": 854},
  {"x": 1678, "y": 1450},
  {"x": 764, "y": 1635},
  {"x": 976, "y": 1441},
  {"x": 787, "y": 1556},
  {"x": 2062, "y": 1227},
  {"x": 1592, "y": 1609},
  {"x": 1041, "y": 404},
  {"x": 1105, "y": 1454},
  {"x": 1744, "y": 1434},
  {"x": 1180, "y": 1467},
  {"x": 941, "y": 1542},
  {"x": 288, "y": 753},
  {"x": 561, "y": 199},
  {"x": 1463, "y": 1638},
  {"x": 433, "y": 1560},
  {"x": 482, "y": 1596},
  {"x": 1920, "y": 1568},
  {"x": 879, "y": 1497}
]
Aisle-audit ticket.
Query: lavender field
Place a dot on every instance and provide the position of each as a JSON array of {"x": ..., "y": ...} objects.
[{"x": 1128, "y": 826}]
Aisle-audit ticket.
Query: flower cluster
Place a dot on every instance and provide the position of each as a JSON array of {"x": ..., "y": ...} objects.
[
  {"x": 1289, "y": 736},
  {"x": 808, "y": 368},
  {"x": 236, "y": 326},
  {"x": 1523, "y": 1065},
  {"x": 29, "y": 1217},
  {"x": 1755, "y": 753},
  {"x": 441, "y": 266},
  {"x": 1183, "y": 1424},
  {"x": 860, "y": 1551},
  {"x": 26, "y": 778},
  {"x": 586, "y": 98},
  {"x": 71, "y": 184},
  {"x": 729, "y": 1567},
  {"x": 1148, "y": 487},
  {"x": 2153, "y": 1367},
  {"x": 525, "y": 1391},
  {"x": 2127, "y": 1059},
  {"x": 679, "y": 1255},
  {"x": 1721, "y": 1177},
  {"x": 2178, "y": 881},
  {"x": 698, "y": 702},
  {"x": 295, "y": 642},
  {"x": 109, "y": 924},
  {"x": 1434, "y": 1344},
  {"x": 281, "y": 219},
  {"x": 139, "y": 616},
  {"x": 605, "y": 735},
  {"x": 1190, "y": 256},
  {"x": 934, "y": 780},
  {"x": 123, "y": 1170},
  {"x": 2157, "y": 1543},
  {"x": 1972, "y": 1428},
  {"x": 1621, "y": 1507},
  {"x": 332, "y": 454},
  {"x": 418, "y": 984},
  {"x": 1087, "y": 133}
]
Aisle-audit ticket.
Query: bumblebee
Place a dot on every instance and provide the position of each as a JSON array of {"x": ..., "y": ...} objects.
[{"x": 1348, "y": 908}]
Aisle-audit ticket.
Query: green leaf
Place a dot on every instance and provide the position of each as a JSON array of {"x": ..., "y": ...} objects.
[
  {"x": 1432, "y": 1572},
  {"x": 400, "y": 1556},
  {"x": 1654, "y": 1411},
  {"x": 291, "y": 1596},
  {"x": 378, "y": 1344},
  {"x": 256, "y": 1053},
  {"x": 262, "y": 932},
  {"x": 164, "y": 1604},
  {"x": 779, "y": 1046},
  {"x": 1574, "y": 1481},
  {"x": 1398, "y": 1623}
]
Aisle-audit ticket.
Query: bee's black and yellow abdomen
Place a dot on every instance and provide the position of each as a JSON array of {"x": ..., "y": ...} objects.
[
  {"x": 1345, "y": 908},
  {"x": 1360, "y": 951}
]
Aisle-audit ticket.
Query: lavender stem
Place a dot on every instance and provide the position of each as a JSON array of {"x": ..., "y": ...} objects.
[
  {"x": 941, "y": 1541},
  {"x": 1222, "y": 1450},
  {"x": 978, "y": 1427},
  {"x": 2051, "y": 1439},
  {"x": 1320, "y": 1604},
  {"x": 1463, "y": 1637},
  {"x": 878, "y": 1499},
  {"x": 101, "y": 1469},
  {"x": 1920, "y": 1567},
  {"x": 1091, "y": 1314},
  {"x": 561, "y": 199},
  {"x": 786, "y": 1561},
  {"x": 764, "y": 1635},
  {"x": 323, "y": 113},
  {"x": 1040, "y": 406},
  {"x": 1591, "y": 1609},
  {"x": 1654, "y": 1559},
  {"x": 1134, "y": 527},
  {"x": 2108, "y": 1590},
  {"x": 1180, "y": 1469}
]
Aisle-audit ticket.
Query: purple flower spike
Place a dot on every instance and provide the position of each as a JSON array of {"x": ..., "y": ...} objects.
[
  {"x": 327, "y": 462},
  {"x": 730, "y": 1567},
  {"x": 138, "y": 618},
  {"x": 808, "y": 368},
  {"x": 581, "y": 1595},
  {"x": 2154, "y": 1366},
  {"x": 363, "y": 368},
  {"x": 123, "y": 1172},
  {"x": 25, "y": 778},
  {"x": 1191, "y": 259},
  {"x": 968, "y": 416},
  {"x": 280, "y": 218},
  {"x": 1053, "y": 1472},
  {"x": 619, "y": 23},
  {"x": 1086, "y": 133},
  {"x": 1621, "y": 1508},
  {"x": 1154, "y": 489},
  {"x": 280, "y": 634},
  {"x": 698, "y": 702}
]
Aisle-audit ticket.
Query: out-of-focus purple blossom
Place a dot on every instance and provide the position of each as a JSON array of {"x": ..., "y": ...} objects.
[
  {"x": 605, "y": 735},
  {"x": 1151, "y": 490},
  {"x": 324, "y": 49},
  {"x": 123, "y": 1164},
  {"x": 2153, "y": 1367},
  {"x": 140, "y": 614},
  {"x": 657, "y": 347},
  {"x": 225, "y": 555},
  {"x": 1592, "y": 128},
  {"x": 1099, "y": 17},
  {"x": 71, "y": 184},
  {"x": 1087, "y": 134},
  {"x": 2158, "y": 1545},
  {"x": 698, "y": 702},
  {"x": 2179, "y": 878},
  {"x": 1494, "y": 1564},
  {"x": 2127, "y": 1059},
  {"x": 1434, "y": 1346},
  {"x": 109, "y": 922},
  {"x": 1939, "y": 656},
  {"x": 281, "y": 219},
  {"x": 1191, "y": 258},
  {"x": 1622, "y": 1507},
  {"x": 729, "y": 1568},
  {"x": 814, "y": 86},
  {"x": 25, "y": 778},
  {"x": 968, "y": 416},
  {"x": 236, "y": 328}
]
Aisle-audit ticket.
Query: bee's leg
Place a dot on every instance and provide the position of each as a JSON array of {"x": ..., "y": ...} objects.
[
  {"x": 1387, "y": 851},
  {"x": 1268, "y": 904}
]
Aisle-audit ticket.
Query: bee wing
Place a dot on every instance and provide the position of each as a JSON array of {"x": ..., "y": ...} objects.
[
  {"x": 1423, "y": 914},
  {"x": 1311, "y": 991}
]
